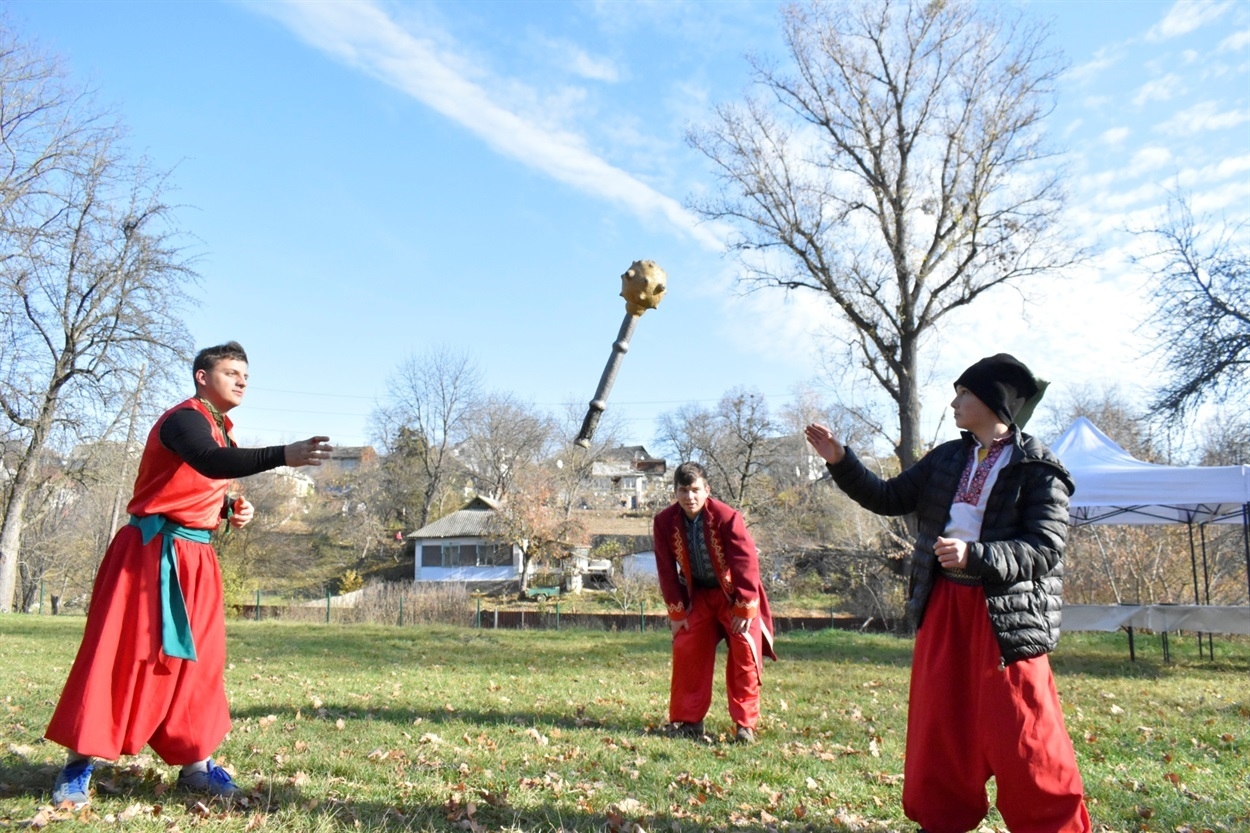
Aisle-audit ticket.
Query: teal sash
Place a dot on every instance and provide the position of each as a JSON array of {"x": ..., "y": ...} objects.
[{"x": 176, "y": 639}]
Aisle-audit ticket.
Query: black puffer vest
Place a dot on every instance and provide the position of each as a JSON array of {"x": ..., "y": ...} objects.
[{"x": 1019, "y": 557}]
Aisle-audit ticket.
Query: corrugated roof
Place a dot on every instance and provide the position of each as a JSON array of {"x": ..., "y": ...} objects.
[{"x": 470, "y": 521}]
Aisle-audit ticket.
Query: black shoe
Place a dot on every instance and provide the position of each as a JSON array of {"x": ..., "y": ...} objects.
[
  {"x": 678, "y": 729},
  {"x": 744, "y": 735}
]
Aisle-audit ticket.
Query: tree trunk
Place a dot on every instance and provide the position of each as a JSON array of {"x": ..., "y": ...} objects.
[
  {"x": 15, "y": 512},
  {"x": 11, "y": 538},
  {"x": 909, "y": 444}
]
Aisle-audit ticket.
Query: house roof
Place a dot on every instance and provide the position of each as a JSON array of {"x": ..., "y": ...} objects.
[
  {"x": 469, "y": 521},
  {"x": 631, "y": 454}
]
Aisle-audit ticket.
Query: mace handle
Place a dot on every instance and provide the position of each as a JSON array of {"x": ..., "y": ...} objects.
[{"x": 619, "y": 348}]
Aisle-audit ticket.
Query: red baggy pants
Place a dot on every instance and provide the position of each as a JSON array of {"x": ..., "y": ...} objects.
[
  {"x": 123, "y": 692},
  {"x": 694, "y": 662},
  {"x": 968, "y": 719}
]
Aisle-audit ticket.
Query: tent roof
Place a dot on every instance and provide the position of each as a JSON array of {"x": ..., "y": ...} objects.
[{"x": 1113, "y": 487}]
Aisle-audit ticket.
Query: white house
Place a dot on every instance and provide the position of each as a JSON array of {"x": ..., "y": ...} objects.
[{"x": 458, "y": 547}]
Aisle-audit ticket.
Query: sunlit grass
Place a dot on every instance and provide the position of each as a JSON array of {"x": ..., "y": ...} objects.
[{"x": 438, "y": 728}]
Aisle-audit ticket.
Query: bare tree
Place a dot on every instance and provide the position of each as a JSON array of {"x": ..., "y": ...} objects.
[
  {"x": 534, "y": 521},
  {"x": 1226, "y": 441},
  {"x": 426, "y": 415},
  {"x": 91, "y": 276},
  {"x": 1202, "y": 291},
  {"x": 504, "y": 435},
  {"x": 737, "y": 442},
  {"x": 895, "y": 167},
  {"x": 1108, "y": 408},
  {"x": 574, "y": 465}
]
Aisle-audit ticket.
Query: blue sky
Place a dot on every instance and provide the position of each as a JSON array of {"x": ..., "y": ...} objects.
[{"x": 366, "y": 180}]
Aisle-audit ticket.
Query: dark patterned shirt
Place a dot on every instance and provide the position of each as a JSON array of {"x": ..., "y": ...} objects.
[{"x": 700, "y": 560}]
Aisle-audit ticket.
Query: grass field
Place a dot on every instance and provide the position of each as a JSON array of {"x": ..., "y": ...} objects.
[{"x": 437, "y": 728}]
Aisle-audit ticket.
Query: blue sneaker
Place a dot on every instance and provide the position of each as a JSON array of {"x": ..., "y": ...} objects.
[
  {"x": 213, "y": 780},
  {"x": 73, "y": 784}
]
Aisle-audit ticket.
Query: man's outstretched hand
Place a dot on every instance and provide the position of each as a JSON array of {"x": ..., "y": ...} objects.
[{"x": 310, "y": 452}]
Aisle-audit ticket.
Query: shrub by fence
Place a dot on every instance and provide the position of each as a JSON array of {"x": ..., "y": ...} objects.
[{"x": 405, "y": 604}]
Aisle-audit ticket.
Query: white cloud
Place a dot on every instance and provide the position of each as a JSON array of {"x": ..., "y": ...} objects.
[
  {"x": 362, "y": 36},
  {"x": 1219, "y": 172},
  {"x": 1235, "y": 41},
  {"x": 1118, "y": 201},
  {"x": 596, "y": 69},
  {"x": 1159, "y": 89},
  {"x": 1148, "y": 159},
  {"x": 1114, "y": 136},
  {"x": 578, "y": 61},
  {"x": 1228, "y": 199},
  {"x": 1202, "y": 117},
  {"x": 1103, "y": 59},
  {"x": 1186, "y": 16}
]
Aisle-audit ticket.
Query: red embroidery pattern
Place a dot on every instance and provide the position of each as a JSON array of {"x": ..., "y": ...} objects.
[
  {"x": 720, "y": 565},
  {"x": 973, "y": 480},
  {"x": 679, "y": 549}
]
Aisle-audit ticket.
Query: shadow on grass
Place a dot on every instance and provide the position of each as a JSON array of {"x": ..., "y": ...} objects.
[
  {"x": 132, "y": 793},
  {"x": 430, "y": 718}
]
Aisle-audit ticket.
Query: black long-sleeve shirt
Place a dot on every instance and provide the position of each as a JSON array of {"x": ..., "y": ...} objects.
[{"x": 189, "y": 434}]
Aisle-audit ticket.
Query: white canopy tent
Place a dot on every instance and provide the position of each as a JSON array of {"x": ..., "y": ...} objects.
[{"x": 1113, "y": 487}]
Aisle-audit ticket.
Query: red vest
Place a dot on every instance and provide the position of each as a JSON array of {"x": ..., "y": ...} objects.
[{"x": 167, "y": 486}]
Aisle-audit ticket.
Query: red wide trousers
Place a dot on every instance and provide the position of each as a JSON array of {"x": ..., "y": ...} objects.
[
  {"x": 123, "y": 692},
  {"x": 694, "y": 662},
  {"x": 969, "y": 720}
]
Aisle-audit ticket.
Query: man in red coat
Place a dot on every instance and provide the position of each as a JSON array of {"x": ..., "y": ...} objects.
[
  {"x": 150, "y": 670},
  {"x": 710, "y": 577}
]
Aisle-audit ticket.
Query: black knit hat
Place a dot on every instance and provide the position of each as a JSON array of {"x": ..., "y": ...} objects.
[{"x": 1005, "y": 385}]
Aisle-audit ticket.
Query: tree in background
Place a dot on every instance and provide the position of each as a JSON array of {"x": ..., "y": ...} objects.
[
  {"x": 809, "y": 535},
  {"x": 534, "y": 521},
  {"x": 737, "y": 442},
  {"x": 503, "y": 436},
  {"x": 1201, "y": 286},
  {"x": 896, "y": 168},
  {"x": 430, "y": 399},
  {"x": 1226, "y": 440},
  {"x": 69, "y": 520},
  {"x": 91, "y": 277},
  {"x": 1116, "y": 563},
  {"x": 574, "y": 465}
]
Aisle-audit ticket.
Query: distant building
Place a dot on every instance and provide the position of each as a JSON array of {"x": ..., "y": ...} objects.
[
  {"x": 628, "y": 478},
  {"x": 459, "y": 547},
  {"x": 349, "y": 458}
]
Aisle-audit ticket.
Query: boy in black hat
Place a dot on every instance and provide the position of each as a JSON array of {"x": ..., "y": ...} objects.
[{"x": 985, "y": 593}]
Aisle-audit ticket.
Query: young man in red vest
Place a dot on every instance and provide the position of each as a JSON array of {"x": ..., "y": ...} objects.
[
  {"x": 985, "y": 592},
  {"x": 151, "y": 664},
  {"x": 710, "y": 577}
]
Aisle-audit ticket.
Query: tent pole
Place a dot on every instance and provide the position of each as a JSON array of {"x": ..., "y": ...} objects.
[
  {"x": 1206, "y": 588},
  {"x": 1193, "y": 564},
  {"x": 1245, "y": 540}
]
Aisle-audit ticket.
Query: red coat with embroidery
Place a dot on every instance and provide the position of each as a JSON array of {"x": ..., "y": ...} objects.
[{"x": 734, "y": 560}]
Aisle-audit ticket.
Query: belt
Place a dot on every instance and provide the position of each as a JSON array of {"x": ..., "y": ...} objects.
[{"x": 176, "y": 639}]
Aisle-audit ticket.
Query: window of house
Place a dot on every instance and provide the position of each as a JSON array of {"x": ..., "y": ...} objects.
[
  {"x": 494, "y": 555},
  {"x": 431, "y": 555}
]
